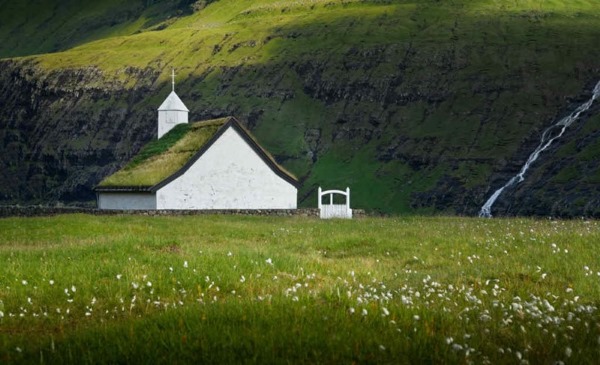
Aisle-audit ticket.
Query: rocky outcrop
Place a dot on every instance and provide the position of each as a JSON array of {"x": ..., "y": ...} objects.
[
  {"x": 64, "y": 130},
  {"x": 564, "y": 182}
]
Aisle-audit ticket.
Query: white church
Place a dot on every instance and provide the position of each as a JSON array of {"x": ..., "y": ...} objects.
[{"x": 212, "y": 164}]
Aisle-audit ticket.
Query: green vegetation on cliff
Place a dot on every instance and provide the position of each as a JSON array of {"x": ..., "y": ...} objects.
[{"x": 417, "y": 106}]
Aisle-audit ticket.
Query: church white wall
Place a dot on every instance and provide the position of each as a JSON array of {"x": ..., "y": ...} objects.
[
  {"x": 229, "y": 175},
  {"x": 126, "y": 201},
  {"x": 167, "y": 119}
]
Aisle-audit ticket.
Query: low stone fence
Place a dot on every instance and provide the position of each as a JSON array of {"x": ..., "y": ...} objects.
[{"x": 41, "y": 211}]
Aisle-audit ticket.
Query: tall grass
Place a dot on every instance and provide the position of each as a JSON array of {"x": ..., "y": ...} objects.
[{"x": 216, "y": 289}]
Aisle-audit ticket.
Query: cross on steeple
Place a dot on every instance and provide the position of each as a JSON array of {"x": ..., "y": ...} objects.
[{"x": 173, "y": 78}]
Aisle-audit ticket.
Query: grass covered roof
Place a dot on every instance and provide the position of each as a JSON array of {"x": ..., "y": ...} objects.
[{"x": 163, "y": 157}]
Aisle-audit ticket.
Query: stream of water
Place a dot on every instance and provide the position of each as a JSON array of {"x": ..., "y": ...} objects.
[{"x": 545, "y": 142}]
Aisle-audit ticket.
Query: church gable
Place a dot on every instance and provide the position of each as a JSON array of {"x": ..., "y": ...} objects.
[
  {"x": 230, "y": 174},
  {"x": 245, "y": 135}
]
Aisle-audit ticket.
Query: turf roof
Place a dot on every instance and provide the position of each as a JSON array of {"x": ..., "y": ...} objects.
[{"x": 162, "y": 158}]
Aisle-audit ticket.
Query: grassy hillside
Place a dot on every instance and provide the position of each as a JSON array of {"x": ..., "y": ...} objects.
[
  {"x": 31, "y": 27},
  {"x": 417, "y": 106},
  {"x": 223, "y": 289}
]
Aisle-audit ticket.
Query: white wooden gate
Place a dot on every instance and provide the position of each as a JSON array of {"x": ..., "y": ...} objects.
[{"x": 334, "y": 210}]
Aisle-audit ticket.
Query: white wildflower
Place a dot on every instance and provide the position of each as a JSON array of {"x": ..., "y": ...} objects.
[
  {"x": 382, "y": 348},
  {"x": 351, "y": 310},
  {"x": 24, "y": 282},
  {"x": 135, "y": 285},
  {"x": 185, "y": 264},
  {"x": 456, "y": 347},
  {"x": 269, "y": 261},
  {"x": 229, "y": 254},
  {"x": 364, "y": 312},
  {"x": 51, "y": 282},
  {"x": 449, "y": 340},
  {"x": 416, "y": 317},
  {"x": 18, "y": 349},
  {"x": 119, "y": 276},
  {"x": 73, "y": 288},
  {"x": 149, "y": 284},
  {"x": 568, "y": 352},
  {"x": 385, "y": 311}
]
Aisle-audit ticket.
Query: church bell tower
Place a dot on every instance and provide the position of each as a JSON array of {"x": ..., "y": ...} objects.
[{"x": 172, "y": 111}]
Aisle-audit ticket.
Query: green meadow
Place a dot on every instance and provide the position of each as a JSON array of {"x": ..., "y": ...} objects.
[
  {"x": 423, "y": 106},
  {"x": 237, "y": 289}
]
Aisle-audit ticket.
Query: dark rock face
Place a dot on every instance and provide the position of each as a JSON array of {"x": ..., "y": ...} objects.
[
  {"x": 564, "y": 181},
  {"x": 63, "y": 132},
  {"x": 404, "y": 139}
]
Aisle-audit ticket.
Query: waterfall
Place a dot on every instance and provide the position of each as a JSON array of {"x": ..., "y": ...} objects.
[{"x": 545, "y": 142}]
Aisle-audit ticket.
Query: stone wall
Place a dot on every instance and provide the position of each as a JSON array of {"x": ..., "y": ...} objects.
[{"x": 40, "y": 211}]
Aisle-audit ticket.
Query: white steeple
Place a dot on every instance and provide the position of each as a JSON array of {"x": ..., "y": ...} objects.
[
  {"x": 173, "y": 79},
  {"x": 172, "y": 111}
]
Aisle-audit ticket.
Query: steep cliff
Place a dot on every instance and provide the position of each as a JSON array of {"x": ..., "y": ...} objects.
[{"x": 418, "y": 107}]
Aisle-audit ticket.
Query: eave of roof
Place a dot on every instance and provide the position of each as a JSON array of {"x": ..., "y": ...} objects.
[
  {"x": 123, "y": 189},
  {"x": 229, "y": 122}
]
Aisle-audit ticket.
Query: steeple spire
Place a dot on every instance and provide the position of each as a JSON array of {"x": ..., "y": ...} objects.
[
  {"x": 173, "y": 78},
  {"x": 172, "y": 111}
]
